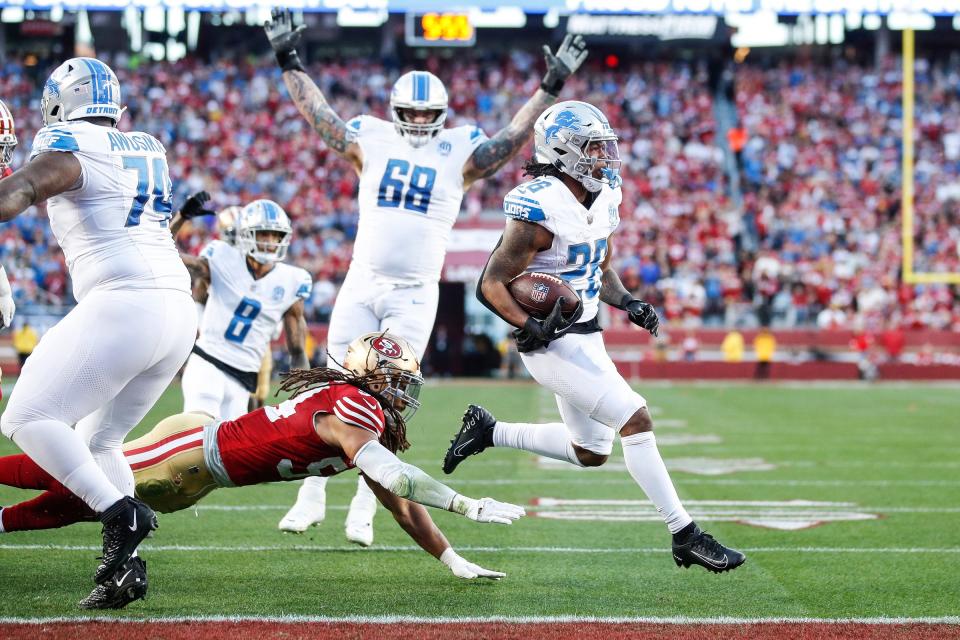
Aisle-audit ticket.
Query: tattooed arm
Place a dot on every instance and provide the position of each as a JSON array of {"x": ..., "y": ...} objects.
[
  {"x": 313, "y": 106},
  {"x": 520, "y": 242},
  {"x": 198, "y": 267},
  {"x": 495, "y": 152},
  {"x": 612, "y": 290}
]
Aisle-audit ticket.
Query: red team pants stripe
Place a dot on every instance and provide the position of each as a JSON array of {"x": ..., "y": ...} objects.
[{"x": 148, "y": 456}]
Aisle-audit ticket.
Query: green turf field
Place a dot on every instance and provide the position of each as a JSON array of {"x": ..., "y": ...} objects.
[{"x": 880, "y": 464}]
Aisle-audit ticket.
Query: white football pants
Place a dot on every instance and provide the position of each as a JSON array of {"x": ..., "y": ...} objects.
[
  {"x": 209, "y": 390},
  {"x": 594, "y": 399}
]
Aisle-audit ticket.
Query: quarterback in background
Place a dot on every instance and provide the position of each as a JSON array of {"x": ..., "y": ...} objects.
[
  {"x": 335, "y": 421},
  {"x": 413, "y": 174},
  {"x": 562, "y": 223},
  {"x": 250, "y": 291},
  {"x": 105, "y": 364}
]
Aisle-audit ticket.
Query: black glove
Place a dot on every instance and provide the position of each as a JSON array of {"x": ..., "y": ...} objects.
[
  {"x": 569, "y": 57},
  {"x": 284, "y": 38},
  {"x": 538, "y": 333},
  {"x": 193, "y": 207},
  {"x": 641, "y": 314}
]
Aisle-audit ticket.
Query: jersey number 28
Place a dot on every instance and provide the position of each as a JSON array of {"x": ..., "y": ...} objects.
[{"x": 418, "y": 189}]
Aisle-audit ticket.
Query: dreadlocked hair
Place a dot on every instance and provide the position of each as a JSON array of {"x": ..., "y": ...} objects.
[
  {"x": 540, "y": 169},
  {"x": 394, "y": 436}
]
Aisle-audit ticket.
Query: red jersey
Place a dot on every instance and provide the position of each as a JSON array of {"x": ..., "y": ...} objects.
[{"x": 280, "y": 443}]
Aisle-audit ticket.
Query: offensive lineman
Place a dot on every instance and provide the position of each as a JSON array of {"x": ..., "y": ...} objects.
[
  {"x": 250, "y": 292},
  {"x": 106, "y": 362},
  {"x": 562, "y": 222},
  {"x": 413, "y": 174},
  {"x": 332, "y": 423}
]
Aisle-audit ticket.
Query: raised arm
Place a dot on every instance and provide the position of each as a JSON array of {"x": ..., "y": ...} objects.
[
  {"x": 495, "y": 152},
  {"x": 616, "y": 295},
  {"x": 45, "y": 176},
  {"x": 310, "y": 101},
  {"x": 295, "y": 329},
  {"x": 192, "y": 208},
  {"x": 418, "y": 524},
  {"x": 198, "y": 267}
]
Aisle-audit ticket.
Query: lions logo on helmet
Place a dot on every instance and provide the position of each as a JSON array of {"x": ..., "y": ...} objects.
[
  {"x": 576, "y": 138},
  {"x": 227, "y": 223},
  {"x": 8, "y": 136},
  {"x": 263, "y": 218},
  {"x": 418, "y": 91},
  {"x": 392, "y": 357},
  {"x": 81, "y": 88}
]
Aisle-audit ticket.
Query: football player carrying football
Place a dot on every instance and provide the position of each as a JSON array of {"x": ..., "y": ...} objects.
[
  {"x": 334, "y": 421},
  {"x": 105, "y": 364},
  {"x": 562, "y": 223},
  {"x": 413, "y": 174},
  {"x": 250, "y": 291}
]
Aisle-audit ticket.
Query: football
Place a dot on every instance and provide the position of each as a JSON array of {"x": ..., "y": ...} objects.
[{"x": 536, "y": 293}]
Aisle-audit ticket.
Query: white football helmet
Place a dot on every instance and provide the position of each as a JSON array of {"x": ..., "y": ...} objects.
[
  {"x": 576, "y": 138},
  {"x": 259, "y": 216},
  {"x": 227, "y": 223},
  {"x": 393, "y": 357},
  {"x": 81, "y": 88},
  {"x": 418, "y": 91},
  {"x": 8, "y": 136}
]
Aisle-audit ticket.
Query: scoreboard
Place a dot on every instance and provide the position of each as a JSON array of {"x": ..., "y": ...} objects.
[{"x": 439, "y": 29}]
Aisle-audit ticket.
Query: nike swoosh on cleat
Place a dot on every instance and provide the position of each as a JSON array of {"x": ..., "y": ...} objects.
[
  {"x": 120, "y": 581},
  {"x": 460, "y": 447},
  {"x": 710, "y": 562},
  {"x": 133, "y": 527}
]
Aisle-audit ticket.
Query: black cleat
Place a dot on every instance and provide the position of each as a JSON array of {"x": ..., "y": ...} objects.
[
  {"x": 129, "y": 583},
  {"x": 700, "y": 548},
  {"x": 475, "y": 435},
  {"x": 125, "y": 524}
]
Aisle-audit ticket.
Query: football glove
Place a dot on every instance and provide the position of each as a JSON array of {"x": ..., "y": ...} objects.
[
  {"x": 642, "y": 314},
  {"x": 560, "y": 66},
  {"x": 538, "y": 333},
  {"x": 486, "y": 510},
  {"x": 193, "y": 207},
  {"x": 463, "y": 568},
  {"x": 284, "y": 38}
]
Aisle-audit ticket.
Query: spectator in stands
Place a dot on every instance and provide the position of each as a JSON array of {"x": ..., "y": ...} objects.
[
  {"x": 732, "y": 347},
  {"x": 765, "y": 347}
]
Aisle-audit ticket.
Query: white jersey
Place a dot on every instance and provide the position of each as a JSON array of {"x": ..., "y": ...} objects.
[
  {"x": 579, "y": 234},
  {"x": 241, "y": 312},
  {"x": 409, "y": 199},
  {"x": 113, "y": 227}
]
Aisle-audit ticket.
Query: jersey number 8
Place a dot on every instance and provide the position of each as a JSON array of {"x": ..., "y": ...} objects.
[
  {"x": 417, "y": 197},
  {"x": 243, "y": 317}
]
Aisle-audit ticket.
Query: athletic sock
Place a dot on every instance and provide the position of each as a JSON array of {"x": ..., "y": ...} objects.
[
  {"x": 61, "y": 452},
  {"x": 115, "y": 466},
  {"x": 314, "y": 488},
  {"x": 49, "y": 510},
  {"x": 645, "y": 465},
  {"x": 551, "y": 439},
  {"x": 22, "y": 472}
]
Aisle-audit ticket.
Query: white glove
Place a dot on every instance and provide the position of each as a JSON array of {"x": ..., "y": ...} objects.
[
  {"x": 486, "y": 510},
  {"x": 7, "y": 307},
  {"x": 463, "y": 568}
]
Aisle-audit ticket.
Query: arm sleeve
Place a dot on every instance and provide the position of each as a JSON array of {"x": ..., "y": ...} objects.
[{"x": 402, "y": 479}]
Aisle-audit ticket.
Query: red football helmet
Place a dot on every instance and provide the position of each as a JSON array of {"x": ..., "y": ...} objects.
[{"x": 8, "y": 137}]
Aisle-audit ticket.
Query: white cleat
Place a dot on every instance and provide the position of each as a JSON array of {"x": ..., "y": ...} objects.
[
  {"x": 303, "y": 515},
  {"x": 360, "y": 533}
]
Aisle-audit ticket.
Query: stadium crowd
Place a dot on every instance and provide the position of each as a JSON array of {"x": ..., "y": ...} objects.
[{"x": 815, "y": 242}]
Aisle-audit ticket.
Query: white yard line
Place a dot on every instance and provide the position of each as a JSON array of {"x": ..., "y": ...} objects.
[
  {"x": 473, "y": 549},
  {"x": 396, "y": 619}
]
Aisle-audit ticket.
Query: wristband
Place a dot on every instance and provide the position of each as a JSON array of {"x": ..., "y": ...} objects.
[
  {"x": 624, "y": 301},
  {"x": 554, "y": 88},
  {"x": 289, "y": 61}
]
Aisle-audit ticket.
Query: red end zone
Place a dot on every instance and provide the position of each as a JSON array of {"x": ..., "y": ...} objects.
[{"x": 269, "y": 630}]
